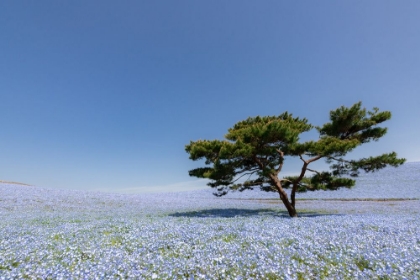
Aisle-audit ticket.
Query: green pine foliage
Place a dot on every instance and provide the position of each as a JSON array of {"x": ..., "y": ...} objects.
[{"x": 254, "y": 150}]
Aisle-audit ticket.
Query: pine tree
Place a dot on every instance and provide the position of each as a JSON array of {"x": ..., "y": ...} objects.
[{"x": 255, "y": 149}]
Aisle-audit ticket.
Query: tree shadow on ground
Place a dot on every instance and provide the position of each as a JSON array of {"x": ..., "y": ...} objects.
[{"x": 237, "y": 212}]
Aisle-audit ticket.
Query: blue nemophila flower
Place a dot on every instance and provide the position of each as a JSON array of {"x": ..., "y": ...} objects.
[{"x": 81, "y": 235}]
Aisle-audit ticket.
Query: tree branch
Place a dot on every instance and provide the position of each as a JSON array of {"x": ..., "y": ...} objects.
[
  {"x": 300, "y": 156},
  {"x": 246, "y": 169},
  {"x": 258, "y": 161},
  {"x": 248, "y": 173},
  {"x": 314, "y": 159},
  {"x": 339, "y": 159},
  {"x": 280, "y": 164},
  {"x": 313, "y": 171},
  {"x": 302, "y": 174},
  {"x": 285, "y": 180}
]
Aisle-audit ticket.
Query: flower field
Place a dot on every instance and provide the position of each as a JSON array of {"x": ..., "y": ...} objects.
[{"x": 347, "y": 234}]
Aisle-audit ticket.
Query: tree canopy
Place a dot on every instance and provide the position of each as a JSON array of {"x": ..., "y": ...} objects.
[{"x": 254, "y": 152}]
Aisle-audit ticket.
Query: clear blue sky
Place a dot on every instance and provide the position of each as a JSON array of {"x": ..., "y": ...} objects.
[{"x": 106, "y": 94}]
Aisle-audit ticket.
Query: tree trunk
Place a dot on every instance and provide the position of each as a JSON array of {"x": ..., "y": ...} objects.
[
  {"x": 293, "y": 195},
  {"x": 290, "y": 208},
  {"x": 283, "y": 196}
]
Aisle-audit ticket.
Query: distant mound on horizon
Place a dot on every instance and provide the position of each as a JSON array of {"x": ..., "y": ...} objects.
[{"x": 14, "y": 183}]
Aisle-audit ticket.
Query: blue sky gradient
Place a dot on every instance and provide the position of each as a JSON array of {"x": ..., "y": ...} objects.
[{"x": 104, "y": 95}]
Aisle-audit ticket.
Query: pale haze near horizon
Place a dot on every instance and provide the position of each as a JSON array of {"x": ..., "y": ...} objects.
[{"x": 104, "y": 95}]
